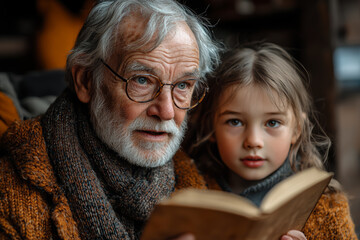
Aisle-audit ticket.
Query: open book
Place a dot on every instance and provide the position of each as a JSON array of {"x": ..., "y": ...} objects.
[{"x": 211, "y": 214}]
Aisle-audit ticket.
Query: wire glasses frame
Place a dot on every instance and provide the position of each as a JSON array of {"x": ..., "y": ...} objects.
[{"x": 197, "y": 94}]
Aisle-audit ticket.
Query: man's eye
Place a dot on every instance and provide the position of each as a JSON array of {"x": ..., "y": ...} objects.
[
  {"x": 272, "y": 123},
  {"x": 141, "y": 80},
  {"x": 234, "y": 122},
  {"x": 182, "y": 85},
  {"x": 185, "y": 85}
]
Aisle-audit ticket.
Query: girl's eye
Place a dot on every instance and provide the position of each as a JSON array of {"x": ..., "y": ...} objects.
[
  {"x": 273, "y": 123},
  {"x": 234, "y": 122}
]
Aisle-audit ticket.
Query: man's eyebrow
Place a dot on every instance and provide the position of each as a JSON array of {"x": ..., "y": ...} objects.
[
  {"x": 135, "y": 66},
  {"x": 193, "y": 74}
]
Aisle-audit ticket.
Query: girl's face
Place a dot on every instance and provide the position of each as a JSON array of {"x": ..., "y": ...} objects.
[{"x": 252, "y": 133}]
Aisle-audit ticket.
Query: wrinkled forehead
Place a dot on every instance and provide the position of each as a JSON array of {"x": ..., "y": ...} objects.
[{"x": 132, "y": 30}]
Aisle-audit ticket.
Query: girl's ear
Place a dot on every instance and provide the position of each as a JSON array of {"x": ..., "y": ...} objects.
[
  {"x": 82, "y": 83},
  {"x": 296, "y": 135},
  {"x": 297, "y": 130}
]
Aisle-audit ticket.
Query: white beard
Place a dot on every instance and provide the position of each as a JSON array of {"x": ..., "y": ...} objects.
[{"x": 109, "y": 126}]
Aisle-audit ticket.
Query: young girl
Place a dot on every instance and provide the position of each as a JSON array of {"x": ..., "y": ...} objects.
[{"x": 255, "y": 129}]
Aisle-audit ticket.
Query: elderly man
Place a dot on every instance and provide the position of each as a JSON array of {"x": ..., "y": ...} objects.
[{"x": 94, "y": 165}]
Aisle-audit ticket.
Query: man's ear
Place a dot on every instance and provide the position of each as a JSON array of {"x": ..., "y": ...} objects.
[{"x": 82, "y": 83}]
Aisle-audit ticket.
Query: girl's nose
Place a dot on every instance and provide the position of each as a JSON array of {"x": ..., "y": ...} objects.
[{"x": 253, "y": 138}]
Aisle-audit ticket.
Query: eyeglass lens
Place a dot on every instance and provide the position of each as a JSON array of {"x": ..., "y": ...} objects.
[{"x": 186, "y": 94}]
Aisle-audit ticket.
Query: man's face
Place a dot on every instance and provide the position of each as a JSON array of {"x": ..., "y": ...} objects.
[{"x": 146, "y": 134}]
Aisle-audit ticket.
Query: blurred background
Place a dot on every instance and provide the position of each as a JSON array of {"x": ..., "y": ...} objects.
[{"x": 324, "y": 35}]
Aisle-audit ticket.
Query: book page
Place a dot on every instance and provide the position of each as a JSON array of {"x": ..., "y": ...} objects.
[
  {"x": 297, "y": 185},
  {"x": 213, "y": 199}
]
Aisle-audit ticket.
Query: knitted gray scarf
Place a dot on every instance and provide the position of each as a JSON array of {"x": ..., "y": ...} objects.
[{"x": 109, "y": 197}]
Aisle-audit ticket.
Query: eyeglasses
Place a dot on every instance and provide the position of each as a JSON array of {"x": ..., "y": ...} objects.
[{"x": 143, "y": 88}]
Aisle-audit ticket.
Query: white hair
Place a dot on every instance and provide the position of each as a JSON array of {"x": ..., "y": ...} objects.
[{"x": 98, "y": 35}]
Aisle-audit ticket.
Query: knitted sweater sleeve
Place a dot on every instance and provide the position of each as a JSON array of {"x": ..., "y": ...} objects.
[
  {"x": 330, "y": 219},
  {"x": 31, "y": 204},
  {"x": 20, "y": 205}
]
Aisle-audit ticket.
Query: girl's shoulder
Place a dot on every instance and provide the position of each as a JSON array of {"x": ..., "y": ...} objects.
[
  {"x": 331, "y": 218},
  {"x": 332, "y": 200}
]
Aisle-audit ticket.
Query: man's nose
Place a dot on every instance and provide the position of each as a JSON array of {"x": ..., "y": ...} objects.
[{"x": 163, "y": 106}]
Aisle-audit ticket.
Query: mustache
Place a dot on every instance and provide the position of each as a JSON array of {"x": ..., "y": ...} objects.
[{"x": 150, "y": 124}]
